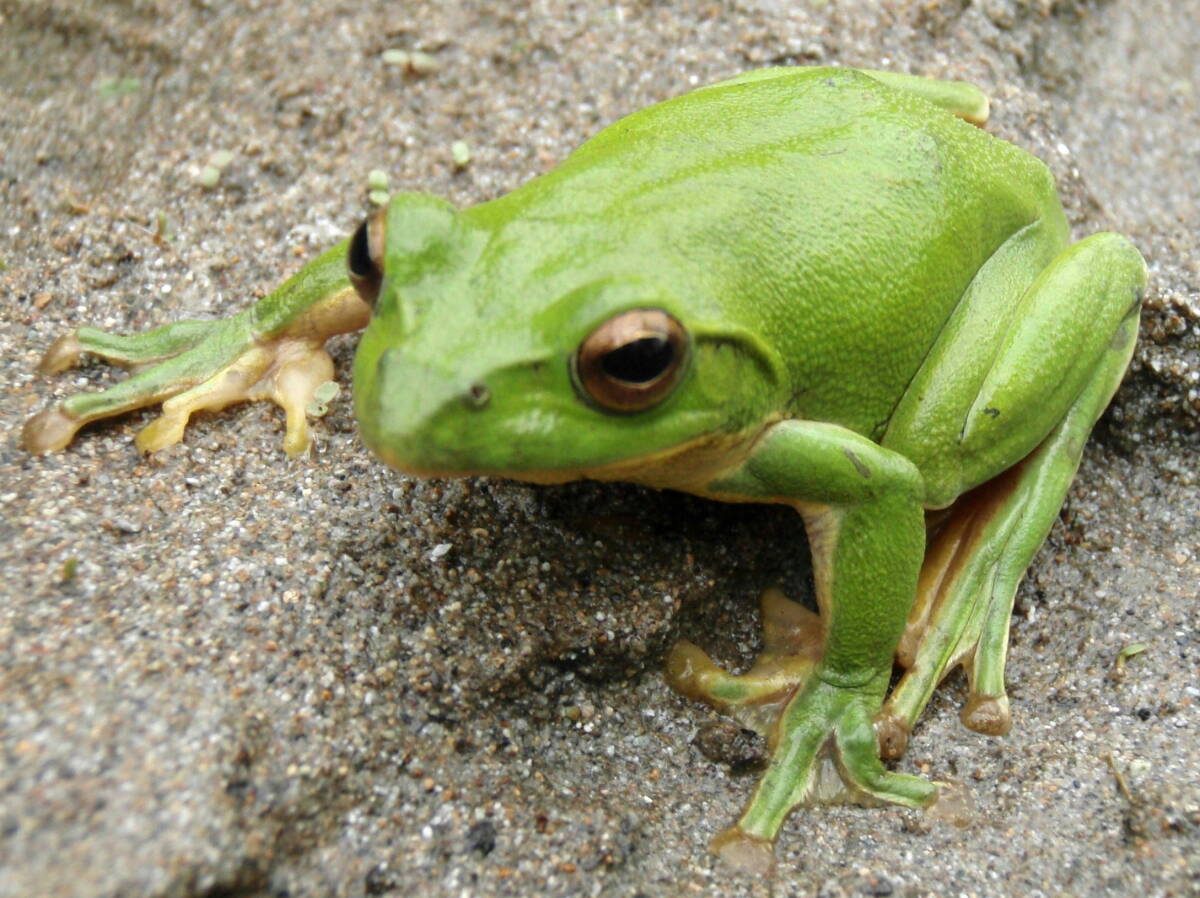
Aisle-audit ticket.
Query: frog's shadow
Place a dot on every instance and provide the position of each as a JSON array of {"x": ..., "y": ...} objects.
[{"x": 717, "y": 556}]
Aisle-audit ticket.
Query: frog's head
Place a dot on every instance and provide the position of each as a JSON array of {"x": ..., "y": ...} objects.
[{"x": 488, "y": 355}]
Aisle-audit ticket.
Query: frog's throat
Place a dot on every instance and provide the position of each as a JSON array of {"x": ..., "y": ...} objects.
[{"x": 689, "y": 466}]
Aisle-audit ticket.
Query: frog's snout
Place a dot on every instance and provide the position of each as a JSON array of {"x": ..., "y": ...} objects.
[
  {"x": 411, "y": 392},
  {"x": 419, "y": 417}
]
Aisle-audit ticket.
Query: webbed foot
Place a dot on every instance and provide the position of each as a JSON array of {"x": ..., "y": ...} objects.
[
  {"x": 823, "y": 745},
  {"x": 825, "y": 752}
]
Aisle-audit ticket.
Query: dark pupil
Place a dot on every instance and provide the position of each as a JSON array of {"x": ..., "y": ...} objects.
[
  {"x": 639, "y": 361},
  {"x": 358, "y": 259}
]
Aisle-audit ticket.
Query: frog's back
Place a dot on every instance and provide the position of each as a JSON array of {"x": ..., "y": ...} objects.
[{"x": 838, "y": 218}]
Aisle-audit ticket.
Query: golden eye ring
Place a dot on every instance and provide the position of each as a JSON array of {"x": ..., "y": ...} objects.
[
  {"x": 364, "y": 256},
  {"x": 632, "y": 362}
]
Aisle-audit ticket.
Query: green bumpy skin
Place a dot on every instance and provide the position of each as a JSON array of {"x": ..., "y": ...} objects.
[{"x": 874, "y": 314}]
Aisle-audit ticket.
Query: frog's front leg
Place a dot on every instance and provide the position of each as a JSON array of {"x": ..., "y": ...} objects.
[
  {"x": 272, "y": 350},
  {"x": 862, "y": 507}
]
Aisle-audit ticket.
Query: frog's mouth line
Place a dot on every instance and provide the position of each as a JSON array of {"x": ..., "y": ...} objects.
[{"x": 689, "y": 466}]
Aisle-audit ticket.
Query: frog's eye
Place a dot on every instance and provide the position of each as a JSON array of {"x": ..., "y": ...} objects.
[
  {"x": 364, "y": 259},
  {"x": 632, "y": 361}
]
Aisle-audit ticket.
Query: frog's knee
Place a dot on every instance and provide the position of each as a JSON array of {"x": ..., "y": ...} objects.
[{"x": 1115, "y": 259}]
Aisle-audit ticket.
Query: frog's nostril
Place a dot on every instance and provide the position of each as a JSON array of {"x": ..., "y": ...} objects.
[{"x": 477, "y": 396}]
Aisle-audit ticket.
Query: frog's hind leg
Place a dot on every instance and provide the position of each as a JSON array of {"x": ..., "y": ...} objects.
[
  {"x": 975, "y": 558},
  {"x": 792, "y": 641},
  {"x": 980, "y": 548}
]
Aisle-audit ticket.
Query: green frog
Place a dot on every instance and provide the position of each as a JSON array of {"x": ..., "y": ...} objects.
[{"x": 822, "y": 287}]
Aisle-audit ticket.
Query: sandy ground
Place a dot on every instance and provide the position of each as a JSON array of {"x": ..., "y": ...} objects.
[{"x": 227, "y": 674}]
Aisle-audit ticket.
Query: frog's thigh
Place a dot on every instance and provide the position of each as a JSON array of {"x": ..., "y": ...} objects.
[
  {"x": 980, "y": 552},
  {"x": 1026, "y": 337}
]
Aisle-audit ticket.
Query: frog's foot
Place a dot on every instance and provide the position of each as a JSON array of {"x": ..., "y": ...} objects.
[
  {"x": 977, "y": 554},
  {"x": 201, "y": 365},
  {"x": 825, "y": 752},
  {"x": 792, "y": 640},
  {"x": 964, "y": 595}
]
